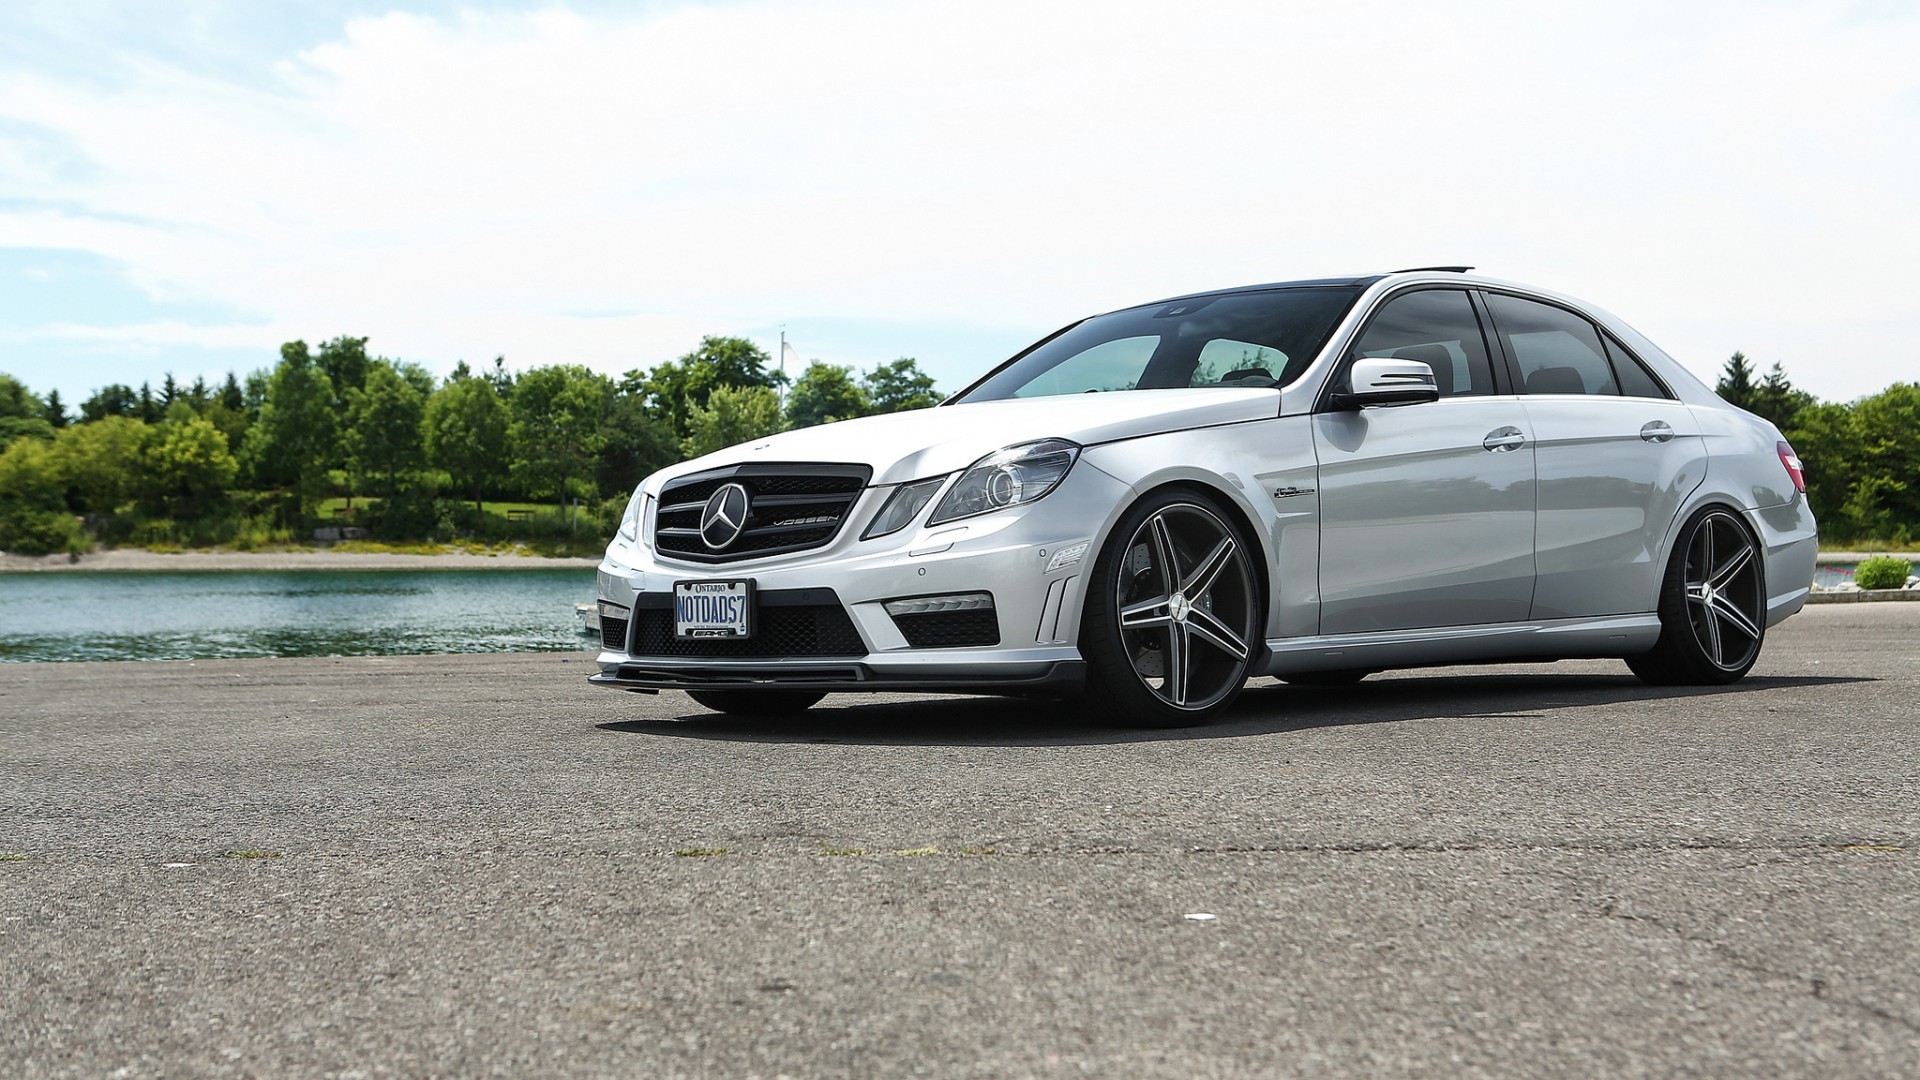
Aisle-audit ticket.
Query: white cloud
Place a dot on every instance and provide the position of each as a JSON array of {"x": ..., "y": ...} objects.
[{"x": 1725, "y": 175}]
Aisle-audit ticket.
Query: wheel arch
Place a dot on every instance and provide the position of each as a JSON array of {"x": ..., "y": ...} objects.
[
  {"x": 1705, "y": 497},
  {"x": 1239, "y": 513}
]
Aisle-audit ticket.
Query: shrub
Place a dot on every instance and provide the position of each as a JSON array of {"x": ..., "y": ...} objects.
[
  {"x": 1882, "y": 572},
  {"x": 42, "y": 532}
]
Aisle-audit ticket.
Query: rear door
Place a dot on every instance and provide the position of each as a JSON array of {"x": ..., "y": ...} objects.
[{"x": 1615, "y": 454}]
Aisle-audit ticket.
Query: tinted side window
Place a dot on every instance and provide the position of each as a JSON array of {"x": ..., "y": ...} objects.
[
  {"x": 1558, "y": 352},
  {"x": 1439, "y": 328},
  {"x": 1635, "y": 379}
]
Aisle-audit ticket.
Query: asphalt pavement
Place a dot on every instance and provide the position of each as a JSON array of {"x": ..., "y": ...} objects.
[{"x": 481, "y": 866}]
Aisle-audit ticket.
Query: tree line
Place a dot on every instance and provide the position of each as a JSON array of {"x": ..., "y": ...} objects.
[
  {"x": 1862, "y": 458},
  {"x": 254, "y": 461},
  {"x": 259, "y": 460}
]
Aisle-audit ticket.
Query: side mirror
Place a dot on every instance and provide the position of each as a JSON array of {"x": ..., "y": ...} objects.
[{"x": 1384, "y": 380}]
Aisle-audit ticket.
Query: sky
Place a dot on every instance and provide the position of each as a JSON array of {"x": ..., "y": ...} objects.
[{"x": 186, "y": 184}]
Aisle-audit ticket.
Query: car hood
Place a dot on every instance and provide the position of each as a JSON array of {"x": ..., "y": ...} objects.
[{"x": 928, "y": 442}]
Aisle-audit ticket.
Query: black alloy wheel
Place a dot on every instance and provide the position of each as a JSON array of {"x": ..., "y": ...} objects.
[
  {"x": 1174, "y": 614},
  {"x": 1713, "y": 605}
]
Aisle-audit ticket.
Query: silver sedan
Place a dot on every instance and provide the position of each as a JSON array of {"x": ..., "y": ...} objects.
[{"x": 1309, "y": 480}]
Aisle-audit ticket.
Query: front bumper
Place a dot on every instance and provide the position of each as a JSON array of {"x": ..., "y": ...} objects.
[
  {"x": 1062, "y": 676},
  {"x": 1024, "y": 558}
]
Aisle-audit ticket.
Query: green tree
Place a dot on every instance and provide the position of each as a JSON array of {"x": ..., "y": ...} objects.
[
  {"x": 383, "y": 436},
  {"x": 555, "y": 437},
  {"x": 33, "y": 514},
  {"x": 113, "y": 399},
  {"x": 673, "y": 390},
  {"x": 1885, "y": 500},
  {"x": 899, "y": 386},
  {"x": 346, "y": 363},
  {"x": 21, "y": 413},
  {"x": 294, "y": 443},
  {"x": 232, "y": 396},
  {"x": 825, "y": 393},
  {"x": 16, "y": 401},
  {"x": 465, "y": 433},
  {"x": 637, "y": 445},
  {"x": 104, "y": 462},
  {"x": 731, "y": 415},
  {"x": 191, "y": 463},
  {"x": 1736, "y": 382},
  {"x": 56, "y": 412},
  {"x": 1776, "y": 399},
  {"x": 28, "y": 478}
]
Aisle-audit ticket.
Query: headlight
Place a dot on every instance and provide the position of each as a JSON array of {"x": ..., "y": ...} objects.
[
  {"x": 1010, "y": 477},
  {"x": 631, "y": 520},
  {"x": 903, "y": 506}
]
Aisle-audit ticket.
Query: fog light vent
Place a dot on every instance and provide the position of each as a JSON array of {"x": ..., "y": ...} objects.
[
  {"x": 928, "y": 605},
  {"x": 613, "y": 626},
  {"x": 953, "y": 621}
]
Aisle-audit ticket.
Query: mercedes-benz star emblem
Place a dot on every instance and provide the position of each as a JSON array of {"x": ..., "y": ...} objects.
[{"x": 725, "y": 515}]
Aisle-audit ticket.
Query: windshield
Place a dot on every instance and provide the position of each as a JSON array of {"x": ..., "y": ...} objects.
[{"x": 1240, "y": 339}]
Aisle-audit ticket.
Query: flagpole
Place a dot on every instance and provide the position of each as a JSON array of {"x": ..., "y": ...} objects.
[{"x": 783, "y": 365}]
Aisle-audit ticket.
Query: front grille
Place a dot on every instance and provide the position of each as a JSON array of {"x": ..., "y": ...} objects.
[
  {"x": 781, "y": 629},
  {"x": 791, "y": 507},
  {"x": 949, "y": 629},
  {"x": 613, "y": 634}
]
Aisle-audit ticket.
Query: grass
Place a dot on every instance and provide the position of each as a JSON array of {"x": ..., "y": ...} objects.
[
  {"x": 700, "y": 852},
  {"x": 10, "y": 857},
  {"x": 253, "y": 853},
  {"x": 843, "y": 851},
  {"x": 916, "y": 851}
]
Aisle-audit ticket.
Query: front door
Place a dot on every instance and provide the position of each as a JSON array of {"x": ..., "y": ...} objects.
[{"x": 1427, "y": 511}]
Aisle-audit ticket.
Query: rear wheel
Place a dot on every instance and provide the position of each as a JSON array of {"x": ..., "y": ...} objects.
[
  {"x": 756, "y": 702},
  {"x": 1713, "y": 606},
  {"x": 1173, "y": 618}
]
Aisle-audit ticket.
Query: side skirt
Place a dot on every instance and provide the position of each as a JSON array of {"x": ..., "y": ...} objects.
[{"x": 1556, "y": 639}]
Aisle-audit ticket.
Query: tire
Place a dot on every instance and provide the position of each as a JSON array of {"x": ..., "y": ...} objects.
[
  {"x": 1326, "y": 678},
  {"x": 1713, "y": 605},
  {"x": 756, "y": 702},
  {"x": 1174, "y": 614}
]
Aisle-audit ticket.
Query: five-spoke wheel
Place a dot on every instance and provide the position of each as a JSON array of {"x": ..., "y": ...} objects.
[
  {"x": 1713, "y": 605},
  {"x": 1173, "y": 614}
]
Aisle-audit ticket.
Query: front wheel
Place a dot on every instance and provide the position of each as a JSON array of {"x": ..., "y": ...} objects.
[
  {"x": 756, "y": 702},
  {"x": 1173, "y": 619},
  {"x": 1713, "y": 606}
]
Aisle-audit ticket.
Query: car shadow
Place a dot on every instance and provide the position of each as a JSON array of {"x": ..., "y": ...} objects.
[{"x": 1265, "y": 708}]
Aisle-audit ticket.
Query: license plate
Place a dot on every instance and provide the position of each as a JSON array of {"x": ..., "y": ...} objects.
[{"x": 713, "y": 609}]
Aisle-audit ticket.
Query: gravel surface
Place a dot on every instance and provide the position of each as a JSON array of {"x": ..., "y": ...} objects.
[{"x": 479, "y": 865}]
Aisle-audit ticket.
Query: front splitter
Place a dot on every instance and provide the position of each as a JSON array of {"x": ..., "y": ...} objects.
[{"x": 1060, "y": 676}]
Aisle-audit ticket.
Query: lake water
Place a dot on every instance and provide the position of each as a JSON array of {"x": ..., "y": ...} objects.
[{"x": 192, "y": 616}]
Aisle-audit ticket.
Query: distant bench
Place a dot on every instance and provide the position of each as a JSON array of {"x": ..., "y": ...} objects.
[{"x": 519, "y": 515}]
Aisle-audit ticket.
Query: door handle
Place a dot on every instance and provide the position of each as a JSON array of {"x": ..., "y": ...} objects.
[
  {"x": 1504, "y": 440},
  {"x": 1656, "y": 431}
]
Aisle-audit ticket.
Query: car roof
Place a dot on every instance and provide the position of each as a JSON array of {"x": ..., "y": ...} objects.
[{"x": 1355, "y": 282}]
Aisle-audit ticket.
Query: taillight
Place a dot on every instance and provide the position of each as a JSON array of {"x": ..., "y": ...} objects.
[{"x": 1791, "y": 462}]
